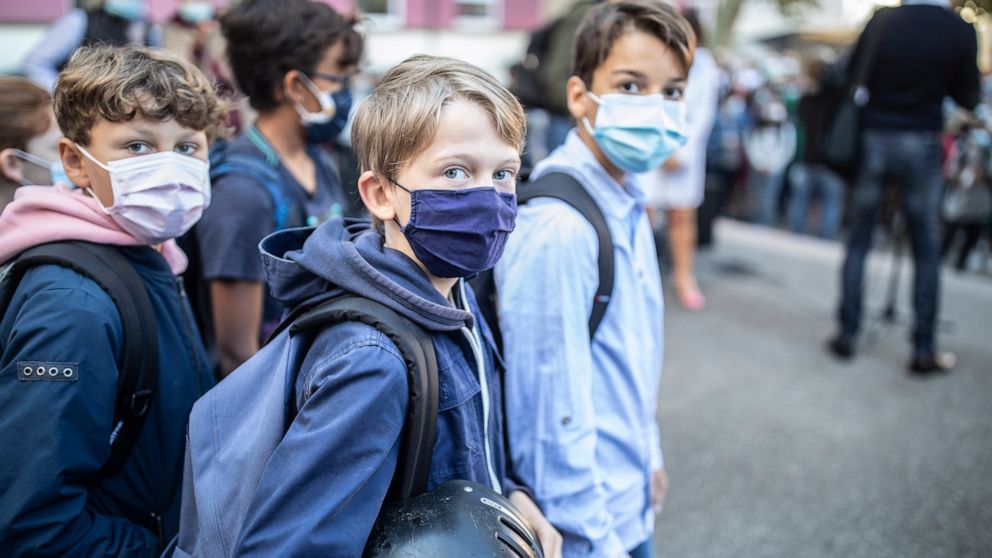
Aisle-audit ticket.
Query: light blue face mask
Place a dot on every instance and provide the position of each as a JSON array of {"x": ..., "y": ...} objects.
[
  {"x": 196, "y": 12},
  {"x": 131, "y": 10},
  {"x": 637, "y": 132},
  {"x": 56, "y": 169}
]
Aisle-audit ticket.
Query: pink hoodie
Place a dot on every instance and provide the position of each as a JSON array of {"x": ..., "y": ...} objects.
[{"x": 42, "y": 214}]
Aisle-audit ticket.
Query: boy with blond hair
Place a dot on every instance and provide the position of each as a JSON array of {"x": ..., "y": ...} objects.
[
  {"x": 85, "y": 471},
  {"x": 581, "y": 399},
  {"x": 439, "y": 146}
]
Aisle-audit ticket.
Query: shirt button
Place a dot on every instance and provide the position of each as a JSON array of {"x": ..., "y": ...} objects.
[{"x": 566, "y": 420}]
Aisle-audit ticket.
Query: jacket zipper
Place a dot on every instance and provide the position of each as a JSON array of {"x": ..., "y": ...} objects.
[
  {"x": 187, "y": 319},
  {"x": 473, "y": 340}
]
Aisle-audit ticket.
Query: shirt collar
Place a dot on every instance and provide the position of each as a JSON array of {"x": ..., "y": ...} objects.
[
  {"x": 941, "y": 3},
  {"x": 616, "y": 201}
]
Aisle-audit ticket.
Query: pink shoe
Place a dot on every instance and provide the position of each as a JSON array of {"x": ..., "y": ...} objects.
[{"x": 692, "y": 300}]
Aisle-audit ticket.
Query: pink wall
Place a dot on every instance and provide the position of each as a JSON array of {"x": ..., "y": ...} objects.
[
  {"x": 35, "y": 11},
  {"x": 424, "y": 14},
  {"x": 431, "y": 14},
  {"x": 521, "y": 14}
]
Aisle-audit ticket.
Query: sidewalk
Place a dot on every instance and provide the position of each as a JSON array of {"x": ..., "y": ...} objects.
[{"x": 774, "y": 449}]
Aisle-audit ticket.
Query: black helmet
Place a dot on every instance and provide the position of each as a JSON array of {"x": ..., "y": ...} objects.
[{"x": 459, "y": 518}]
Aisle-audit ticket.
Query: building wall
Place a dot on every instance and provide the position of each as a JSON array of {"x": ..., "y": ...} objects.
[{"x": 416, "y": 26}]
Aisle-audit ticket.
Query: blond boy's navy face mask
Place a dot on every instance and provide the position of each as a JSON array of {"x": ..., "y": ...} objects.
[{"x": 458, "y": 233}]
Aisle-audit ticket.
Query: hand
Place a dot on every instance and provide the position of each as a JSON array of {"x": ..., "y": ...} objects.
[
  {"x": 673, "y": 163},
  {"x": 546, "y": 533},
  {"x": 659, "y": 489}
]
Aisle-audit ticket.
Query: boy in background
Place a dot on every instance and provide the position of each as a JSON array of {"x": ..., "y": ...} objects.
[{"x": 293, "y": 60}]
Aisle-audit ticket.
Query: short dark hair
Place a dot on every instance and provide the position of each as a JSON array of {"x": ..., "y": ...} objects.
[
  {"x": 604, "y": 23},
  {"x": 267, "y": 38}
]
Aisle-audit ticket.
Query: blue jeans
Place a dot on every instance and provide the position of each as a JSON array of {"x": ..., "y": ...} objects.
[
  {"x": 643, "y": 550},
  {"x": 815, "y": 181},
  {"x": 763, "y": 192},
  {"x": 912, "y": 160}
]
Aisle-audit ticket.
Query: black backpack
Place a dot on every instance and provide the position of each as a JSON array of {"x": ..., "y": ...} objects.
[
  {"x": 417, "y": 348},
  {"x": 138, "y": 367},
  {"x": 215, "y": 504},
  {"x": 564, "y": 187}
]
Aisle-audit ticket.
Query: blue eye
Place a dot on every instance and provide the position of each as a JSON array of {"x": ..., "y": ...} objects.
[
  {"x": 504, "y": 175},
  {"x": 187, "y": 149},
  {"x": 455, "y": 173},
  {"x": 138, "y": 148}
]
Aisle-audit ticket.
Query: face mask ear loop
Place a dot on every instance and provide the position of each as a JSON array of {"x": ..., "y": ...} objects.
[
  {"x": 91, "y": 157},
  {"x": 323, "y": 99},
  {"x": 405, "y": 189},
  {"x": 585, "y": 119},
  {"x": 89, "y": 190}
]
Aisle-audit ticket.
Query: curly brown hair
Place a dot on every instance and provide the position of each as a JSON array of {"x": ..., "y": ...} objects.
[{"x": 117, "y": 82}]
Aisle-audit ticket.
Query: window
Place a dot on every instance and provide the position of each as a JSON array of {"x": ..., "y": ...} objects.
[
  {"x": 374, "y": 7},
  {"x": 382, "y": 13},
  {"x": 477, "y": 12}
]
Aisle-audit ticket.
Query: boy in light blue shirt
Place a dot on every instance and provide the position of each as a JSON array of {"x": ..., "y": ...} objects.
[{"x": 581, "y": 412}]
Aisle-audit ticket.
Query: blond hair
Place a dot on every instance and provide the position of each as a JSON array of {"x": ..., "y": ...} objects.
[
  {"x": 400, "y": 118},
  {"x": 117, "y": 82}
]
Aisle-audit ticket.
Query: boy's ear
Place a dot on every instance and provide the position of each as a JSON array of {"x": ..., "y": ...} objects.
[
  {"x": 72, "y": 162},
  {"x": 10, "y": 166},
  {"x": 374, "y": 190},
  {"x": 292, "y": 89},
  {"x": 577, "y": 100}
]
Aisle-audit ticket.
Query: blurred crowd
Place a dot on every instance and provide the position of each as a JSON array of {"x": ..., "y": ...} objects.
[{"x": 762, "y": 161}]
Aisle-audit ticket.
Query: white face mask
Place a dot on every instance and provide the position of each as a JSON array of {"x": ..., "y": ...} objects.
[
  {"x": 327, "y": 105},
  {"x": 156, "y": 197}
]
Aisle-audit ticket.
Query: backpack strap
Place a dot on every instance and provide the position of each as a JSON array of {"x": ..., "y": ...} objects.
[
  {"x": 258, "y": 171},
  {"x": 565, "y": 187},
  {"x": 417, "y": 348},
  {"x": 138, "y": 368}
]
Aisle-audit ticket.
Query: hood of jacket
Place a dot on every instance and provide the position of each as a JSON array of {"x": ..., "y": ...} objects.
[
  {"x": 341, "y": 256},
  {"x": 42, "y": 214}
]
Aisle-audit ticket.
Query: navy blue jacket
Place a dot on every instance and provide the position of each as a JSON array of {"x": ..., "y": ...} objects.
[
  {"x": 55, "y": 434},
  {"x": 323, "y": 486}
]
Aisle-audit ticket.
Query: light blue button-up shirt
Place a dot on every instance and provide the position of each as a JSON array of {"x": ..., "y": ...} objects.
[{"x": 581, "y": 415}]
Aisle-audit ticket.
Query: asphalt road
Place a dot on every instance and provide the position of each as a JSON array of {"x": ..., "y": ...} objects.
[{"x": 774, "y": 449}]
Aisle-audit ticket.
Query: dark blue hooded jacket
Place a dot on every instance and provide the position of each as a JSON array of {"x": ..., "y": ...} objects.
[
  {"x": 323, "y": 486},
  {"x": 55, "y": 434}
]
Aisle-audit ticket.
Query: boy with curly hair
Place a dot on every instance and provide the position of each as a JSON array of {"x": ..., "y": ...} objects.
[{"x": 137, "y": 124}]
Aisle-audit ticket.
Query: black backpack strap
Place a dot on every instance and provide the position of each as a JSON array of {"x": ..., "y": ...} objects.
[
  {"x": 564, "y": 187},
  {"x": 417, "y": 348},
  {"x": 138, "y": 368}
]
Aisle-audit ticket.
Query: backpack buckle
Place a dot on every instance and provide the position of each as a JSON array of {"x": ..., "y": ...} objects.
[{"x": 140, "y": 401}]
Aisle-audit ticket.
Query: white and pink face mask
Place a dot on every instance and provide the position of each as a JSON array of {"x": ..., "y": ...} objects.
[{"x": 157, "y": 197}]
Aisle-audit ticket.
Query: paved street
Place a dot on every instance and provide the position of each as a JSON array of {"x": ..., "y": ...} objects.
[{"x": 774, "y": 449}]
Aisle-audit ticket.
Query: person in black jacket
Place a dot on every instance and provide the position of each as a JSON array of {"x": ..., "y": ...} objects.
[{"x": 924, "y": 53}]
